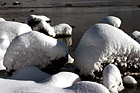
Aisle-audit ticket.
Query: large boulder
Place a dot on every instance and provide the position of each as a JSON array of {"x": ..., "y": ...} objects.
[
  {"x": 35, "y": 49},
  {"x": 103, "y": 44},
  {"x": 8, "y": 31}
]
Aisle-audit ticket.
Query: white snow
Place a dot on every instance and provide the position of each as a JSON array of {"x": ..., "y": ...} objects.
[
  {"x": 112, "y": 78},
  {"x": 8, "y": 31},
  {"x": 89, "y": 87},
  {"x": 70, "y": 59},
  {"x": 33, "y": 49},
  {"x": 37, "y": 18},
  {"x": 129, "y": 80},
  {"x": 16, "y": 86},
  {"x": 62, "y": 79},
  {"x": 135, "y": 34},
  {"x": 45, "y": 26},
  {"x": 112, "y": 20},
  {"x": 63, "y": 29},
  {"x": 103, "y": 43},
  {"x": 2, "y": 19},
  {"x": 30, "y": 73},
  {"x": 57, "y": 30}
]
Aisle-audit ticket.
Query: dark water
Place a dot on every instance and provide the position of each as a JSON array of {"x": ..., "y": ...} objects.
[{"x": 80, "y": 17}]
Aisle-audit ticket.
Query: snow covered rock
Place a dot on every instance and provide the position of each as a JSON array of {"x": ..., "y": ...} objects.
[
  {"x": 88, "y": 87},
  {"x": 34, "y": 20},
  {"x": 8, "y": 31},
  {"x": 62, "y": 29},
  {"x": 135, "y": 34},
  {"x": 35, "y": 49},
  {"x": 112, "y": 78},
  {"x": 30, "y": 73},
  {"x": 129, "y": 81},
  {"x": 62, "y": 79},
  {"x": 103, "y": 44},
  {"x": 112, "y": 20},
  {"x": 45, "y": 28},
  {"x": 2, "y": 19}
]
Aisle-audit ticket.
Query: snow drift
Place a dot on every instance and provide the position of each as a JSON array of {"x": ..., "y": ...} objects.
[{"x": 102, "y": 44}]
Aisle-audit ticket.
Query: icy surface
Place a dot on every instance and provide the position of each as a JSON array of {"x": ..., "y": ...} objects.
[
  {"x": 103, "y": 43},
  {"x": 112, "y": 78},
  {"x": 33, "y": 49},
  {"x": 112, "y": 20},
  {"x": 30, "y": 73},
  {"x": 129, "y": 80},
  {"x": 62, "y": 79},
  {"x": 8, "y": 31}
]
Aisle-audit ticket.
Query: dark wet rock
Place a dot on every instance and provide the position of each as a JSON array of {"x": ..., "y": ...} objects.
[{"x": 16, "y": 3}]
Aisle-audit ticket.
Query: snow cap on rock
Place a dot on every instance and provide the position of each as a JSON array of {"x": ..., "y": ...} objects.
[
  {"x": 112, "y": 78},
  {"x": 33, "y": 49},
  {"x": 103, "y": 44},
  {"x": 8, "y": 31},
  {"x": 112, "y": 20}
]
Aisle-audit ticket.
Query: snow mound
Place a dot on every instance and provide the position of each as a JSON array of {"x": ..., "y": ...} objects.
[
  {"x": 62, "y": 79},
  {"x": 102, "y": 44},
  {"x": 88, "y": 87},
  {"x": 8, "y": 31},
  {"x": 34, "y": 49},
  {"x": 112, "y": 20},
  {"x": 16, "y": 86},
  {"x": 2, "y": 19},
  {"x": 130, "y": 80},
  {"x": 112, "y": 78},
  {"x": 30, "y": 73}
]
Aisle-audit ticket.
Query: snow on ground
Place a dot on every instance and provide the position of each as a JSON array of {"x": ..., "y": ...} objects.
[
  {"x": 16, "y": 86},
  {"x": 103, "y": 43},
  {"x": 112, "y": 20},
  {"x": 62, "y": 82},
  {"x": 8, "y": 31},
  {"x": 112, "y": 78},
  {"x": 33, "y": 49}
]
